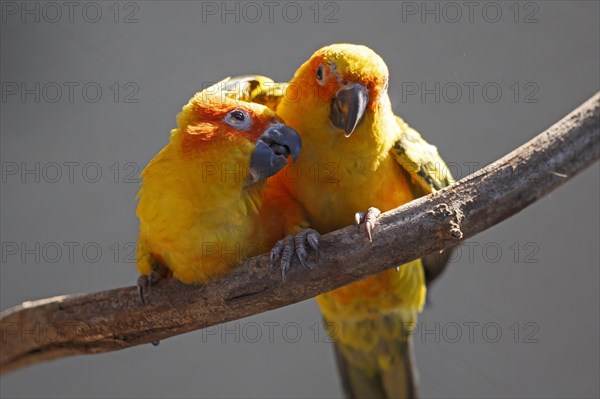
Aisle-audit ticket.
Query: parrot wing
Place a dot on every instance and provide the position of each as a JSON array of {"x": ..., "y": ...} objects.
[
  {"x": 427, "y": 174},
  {"x": 421, "y": 160}
]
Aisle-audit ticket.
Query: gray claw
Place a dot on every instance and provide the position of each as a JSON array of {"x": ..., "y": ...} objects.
[
  {"x": 276, "y": 252},
  {"x": 300, "y": 247},
  {"x": 286, "y": 256},
  {"x": 143, "y": 283},
  {"x": 301, "y": 253},
  {"x": 313, "y": 239}
]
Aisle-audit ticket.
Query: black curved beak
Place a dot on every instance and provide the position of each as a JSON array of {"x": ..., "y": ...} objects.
[
  {"x": 273, "y": 148},
  {"x": 348, "y": 107}
]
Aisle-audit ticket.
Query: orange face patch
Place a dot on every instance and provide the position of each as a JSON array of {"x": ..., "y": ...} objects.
[{"x": 205, "y": 123}]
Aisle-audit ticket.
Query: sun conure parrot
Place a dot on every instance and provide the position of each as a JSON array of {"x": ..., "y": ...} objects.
[
  {"x": 201, "y": 205},
  {"x": 358, "y": 159}
]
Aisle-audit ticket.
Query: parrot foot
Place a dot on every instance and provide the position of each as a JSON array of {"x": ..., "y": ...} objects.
[
  {"x": 368, "y": 219},
  {"x": 284, "y": 250},
  {"x": 145, "y": 282}
]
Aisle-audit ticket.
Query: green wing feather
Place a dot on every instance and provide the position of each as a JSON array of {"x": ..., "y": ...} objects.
[
  {"x": 427, "y": 173},
  {"x": 421, "y": 160}
]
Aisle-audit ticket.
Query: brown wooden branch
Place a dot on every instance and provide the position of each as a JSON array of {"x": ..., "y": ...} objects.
[{"x": 112, "y": 320}]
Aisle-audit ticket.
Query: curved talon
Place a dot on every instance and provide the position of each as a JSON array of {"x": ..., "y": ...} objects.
[
  {"x": 309, "y": 236},
  {"x": 276, "y": 252},
  {"x": 286, "y": 255},
  {"x": 301, "y": 250},
  {"x": 143, "y": 283},
  {"x": 369, "y": 219},
  {"x": 300, "y": 247},
  {"x": 313, "y": 239}
]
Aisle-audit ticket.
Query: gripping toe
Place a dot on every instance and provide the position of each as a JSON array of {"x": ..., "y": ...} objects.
[{"x": 285, "y": 249}]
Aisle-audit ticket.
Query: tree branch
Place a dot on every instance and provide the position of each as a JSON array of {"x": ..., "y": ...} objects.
[{"x": 112, "y": 320}]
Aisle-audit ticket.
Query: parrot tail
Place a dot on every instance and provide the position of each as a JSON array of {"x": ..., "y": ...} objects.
[
  {"x": 371, "y": 323},
  {"x": 397, "y": 381}
]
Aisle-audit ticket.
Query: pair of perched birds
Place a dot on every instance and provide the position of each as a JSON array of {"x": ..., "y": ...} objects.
[{"x": 255, "y": 165}]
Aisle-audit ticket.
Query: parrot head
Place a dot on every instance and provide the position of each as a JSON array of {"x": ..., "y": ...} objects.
[
  {"x": 351, "y": 79},
  {"x": 235, "y": 136}
]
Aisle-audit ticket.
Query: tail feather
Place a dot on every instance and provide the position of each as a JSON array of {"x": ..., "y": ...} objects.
[
  {"x": 357, "y": 383},
  {"x": 398, "y": 380},
  {"x": 401, "y": 380}
]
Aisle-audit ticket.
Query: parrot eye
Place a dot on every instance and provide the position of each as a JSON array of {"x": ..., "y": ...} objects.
[
  {"x": 320, "y": 75},
  {"x": 238, "y": 119},
  {"x": 238, "y": 115}
]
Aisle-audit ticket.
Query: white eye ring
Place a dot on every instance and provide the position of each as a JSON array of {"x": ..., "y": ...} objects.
[
  {"x": 320, "y": 75},
  {"x": 239, "y": 119}
]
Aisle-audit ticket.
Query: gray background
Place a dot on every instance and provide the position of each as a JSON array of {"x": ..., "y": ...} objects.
[{"x": 170, "y": 53}]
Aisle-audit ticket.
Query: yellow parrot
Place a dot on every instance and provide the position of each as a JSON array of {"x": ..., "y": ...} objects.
[
  {"x": 201, "y": 204},
  {"x": 357, "y": 156}
]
